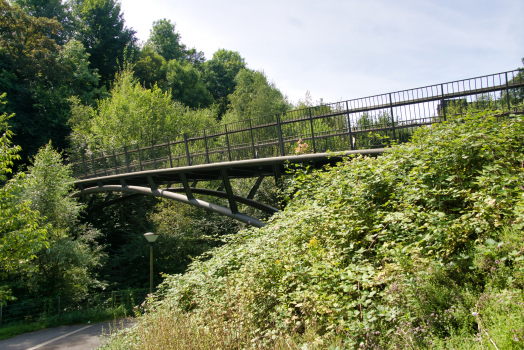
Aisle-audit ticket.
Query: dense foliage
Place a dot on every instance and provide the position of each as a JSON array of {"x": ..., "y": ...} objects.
[
  {"x": 22, "y": 232},
  {"x": 352, "y": 253},
  {"x": 132, "y": 114},
  {"x": 73, "y": 76},
  {"x": 410, "y": 249}
]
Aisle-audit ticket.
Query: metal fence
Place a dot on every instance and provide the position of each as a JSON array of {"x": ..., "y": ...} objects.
[
  {"x": 41, "y": 309},
  {"x": 363, "y": 123}
]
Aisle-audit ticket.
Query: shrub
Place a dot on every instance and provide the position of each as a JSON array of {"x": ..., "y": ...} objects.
[{"x": 399, "y": 247}]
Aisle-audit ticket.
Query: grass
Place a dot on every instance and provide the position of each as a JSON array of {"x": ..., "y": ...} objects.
[
  {"x": 69, "y": 319},
  {"x": 14, "y": 330},
  {"x": 172, "y": 329}
]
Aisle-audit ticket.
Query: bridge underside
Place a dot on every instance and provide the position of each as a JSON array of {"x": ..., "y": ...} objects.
[{"x": 160, "y": 182}]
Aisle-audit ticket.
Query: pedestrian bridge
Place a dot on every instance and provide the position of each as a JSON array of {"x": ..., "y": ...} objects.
[{"x": 258, "y": 148}]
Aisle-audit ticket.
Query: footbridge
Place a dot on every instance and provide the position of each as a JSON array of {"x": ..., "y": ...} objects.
[{"x": 259, "y": 148}]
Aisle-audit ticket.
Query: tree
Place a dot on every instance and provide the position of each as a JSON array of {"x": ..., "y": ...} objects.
[
  {"x": 101, "y": 29},
  {"x": 54, "y": 9},
  {"x": 186, "y": 85},
  {"x": 150, "y": 68},
  {"x": 69, "y": 263},
  {"x": 70, "y": 266},
  {"x": 254, "y": 97},
  {"x": 165, "y": 41},
  {"x": 219, "y": 76},
  {"x": 131, "y": 115},
  {"x": 30, "y": 74},
  {"x": 25, "y": 46},
  {"x": 81, "y": 80},
  {"x": 516, "y": 95},
  {"x": 22, "y": 232},
  {"x": 47, "y": 186},
  {"x": 196, "y": 58}
]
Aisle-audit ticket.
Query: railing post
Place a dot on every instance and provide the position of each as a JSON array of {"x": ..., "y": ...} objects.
[
  {"x": 187, "y": 150},
  {"x": 312, "y": 131},
  {"x": 1, "y": 311},
  {"x": 227, "y": 141},
  {"x": 252, "y": 140},
  {"x": 114, "y": 162},
  {"x": 58, "y": 306},
  {"x": 349, "y": 127},
  {"x": 443, "y": 101},
  {"x": 153, "y": 149},
  {"x": 280, "y": 138},
  {"x": 205, "y": 144},
  {"x": 139, "y": 156},
  {"x": 104, "y": 163},
  {"x": 507, "y": 90},
  {"x": 85, "y": 167},
  {"x": 169, "y": 150},
  {"x": 127, "y": 159},
  {"x": 93, "y": 162},
  {"x": 392, "y": 117}
]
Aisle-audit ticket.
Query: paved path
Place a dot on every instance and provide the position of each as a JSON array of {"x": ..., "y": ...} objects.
[{"x": 80, "y": 337}]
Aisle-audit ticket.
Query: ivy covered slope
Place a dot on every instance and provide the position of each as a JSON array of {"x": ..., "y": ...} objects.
[{"x": 420, "y": 247}]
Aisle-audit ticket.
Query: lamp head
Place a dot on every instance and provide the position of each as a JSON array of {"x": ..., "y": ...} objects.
[{"x": 151, "y": 237}]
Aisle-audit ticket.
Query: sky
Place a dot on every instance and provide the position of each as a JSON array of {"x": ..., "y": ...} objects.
[{"x": 340, "y": 50}]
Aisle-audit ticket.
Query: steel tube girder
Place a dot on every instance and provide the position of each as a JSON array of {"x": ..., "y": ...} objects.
[
  {"x": 204, "y": 191},
  {"x": 163, "y": 193}
]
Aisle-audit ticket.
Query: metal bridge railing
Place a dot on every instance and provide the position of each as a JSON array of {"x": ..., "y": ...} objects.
[{"x": 363, "y": 123}]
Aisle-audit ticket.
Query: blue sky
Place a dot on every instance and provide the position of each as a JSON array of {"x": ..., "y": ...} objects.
[{"x": 340, "y": 50}]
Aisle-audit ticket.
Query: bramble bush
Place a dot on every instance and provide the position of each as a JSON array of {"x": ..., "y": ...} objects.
[{"x": 421, "y": 247}]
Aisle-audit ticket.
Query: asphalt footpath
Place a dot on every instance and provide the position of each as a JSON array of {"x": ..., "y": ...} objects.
[{"x": 80, "y": 337}]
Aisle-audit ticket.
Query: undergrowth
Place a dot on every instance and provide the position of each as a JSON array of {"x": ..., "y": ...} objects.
[
  {"x": 421, "y": 248},
  {"x": 71, "y": 318}
]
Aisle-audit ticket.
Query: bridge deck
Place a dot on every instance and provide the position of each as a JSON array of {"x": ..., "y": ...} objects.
[{"x": 206, "y": 172}]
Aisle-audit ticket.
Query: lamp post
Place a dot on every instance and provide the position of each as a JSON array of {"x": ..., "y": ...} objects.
[{"x": 151, "y": 238}]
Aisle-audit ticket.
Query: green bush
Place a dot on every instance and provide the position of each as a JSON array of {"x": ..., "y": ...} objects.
[{"x": 403, "y": 250}]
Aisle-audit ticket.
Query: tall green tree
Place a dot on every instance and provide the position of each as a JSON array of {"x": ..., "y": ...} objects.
[
  {"x": 165, "y": 41},
  {"x": 22, "y": 232},
  {"x": 80, "y": 80},
  {"x": 54, "y": 9},
  {"x": 69, "y": 264},
  {"x": 254, "y": 96},
  {"x": 25, "y": 46},
  {"x": 219, "y": 77},
  {"x": 33, "y": 78},
  {"x": 186, "y": 85},
  {"x": 132, "y": 114},
  {"x": 150, "y": 68},
  {"x": 102, "y": 30}
]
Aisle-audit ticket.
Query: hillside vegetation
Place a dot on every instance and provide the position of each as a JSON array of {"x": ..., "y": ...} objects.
[{"x": 419, "y": 248}]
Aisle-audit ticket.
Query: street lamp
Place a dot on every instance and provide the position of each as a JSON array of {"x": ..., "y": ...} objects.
[{"x": 151, "y": 238}]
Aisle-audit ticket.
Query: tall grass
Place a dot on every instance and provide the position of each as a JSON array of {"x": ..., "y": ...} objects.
[{"x": 71, "y": 318}]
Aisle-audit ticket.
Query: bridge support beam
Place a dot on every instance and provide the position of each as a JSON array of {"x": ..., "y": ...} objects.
[
  {"x": 254, "y": 190},
  {"x": 177, "y": 197},
  {"x": 229, "y": 190},
  {"x": 204, "y": 191}
]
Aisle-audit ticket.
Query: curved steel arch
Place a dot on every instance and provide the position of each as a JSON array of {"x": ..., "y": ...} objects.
[{"x": 165, "y": 193}]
